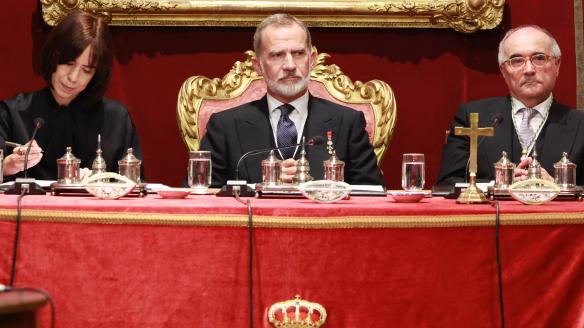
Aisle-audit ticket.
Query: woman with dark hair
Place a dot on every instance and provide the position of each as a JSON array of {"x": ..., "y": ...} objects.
[{"x": 76, "y": 65}]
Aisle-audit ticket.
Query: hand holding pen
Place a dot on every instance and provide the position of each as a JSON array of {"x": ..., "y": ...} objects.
[{"x": 14, "y": 162}]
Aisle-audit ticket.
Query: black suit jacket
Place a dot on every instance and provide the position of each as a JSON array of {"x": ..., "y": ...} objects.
[
  {"x": 233, "y": 132},
  {"x": 563, "y": 132}
]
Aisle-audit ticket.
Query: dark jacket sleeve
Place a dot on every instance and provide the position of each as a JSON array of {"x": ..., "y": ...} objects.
[
  {"x": 119, "y": 134},
  {"x": 362, "y": 164},
  {"x": 214, "y": 141},
  {"x": 5, "y": 126},
  {"x": 12, "y": 127},
  {"x": 455, "y": 152}
]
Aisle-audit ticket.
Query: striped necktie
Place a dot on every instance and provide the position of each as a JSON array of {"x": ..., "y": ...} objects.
[
  {"x": 524, "y": 131},
  {"x": 287, "y": 134}
]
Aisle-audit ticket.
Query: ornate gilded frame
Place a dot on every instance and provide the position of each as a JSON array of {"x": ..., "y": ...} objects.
[
  {"x": 377, "y": 94},
  {"x": 462, "y": 15}
]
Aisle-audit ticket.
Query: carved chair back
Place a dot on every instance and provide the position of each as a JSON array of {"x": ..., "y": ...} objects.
[{"x": 199, "y": 97}]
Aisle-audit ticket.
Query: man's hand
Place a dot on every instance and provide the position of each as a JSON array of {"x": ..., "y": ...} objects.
[
  {"x": 14, "y": 162},
  {"x": 289, "y": 168},
  {"x": 521, "y": 172}
]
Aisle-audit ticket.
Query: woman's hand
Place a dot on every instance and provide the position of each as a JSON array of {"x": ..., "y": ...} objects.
[{"x": 14, "y": 162}]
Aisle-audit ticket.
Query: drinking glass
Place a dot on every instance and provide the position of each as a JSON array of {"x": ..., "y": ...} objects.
[
  {"x": 413, "y": 177},
  {"x": 199, "y": 171}
]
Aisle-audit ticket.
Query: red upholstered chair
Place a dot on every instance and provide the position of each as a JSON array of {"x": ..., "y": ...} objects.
[{"x": 199, "y": 97}]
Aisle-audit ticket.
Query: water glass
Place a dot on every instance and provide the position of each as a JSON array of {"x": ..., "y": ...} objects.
[
  {"x": 199, "y": 171},
  {"x": 413, "y": 177}
]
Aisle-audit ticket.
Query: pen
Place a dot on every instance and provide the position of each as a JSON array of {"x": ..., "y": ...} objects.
[{"x": 12, "y": 144}]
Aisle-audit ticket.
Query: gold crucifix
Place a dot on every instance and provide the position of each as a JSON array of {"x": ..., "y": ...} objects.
[{"x": 472, "y": 194}]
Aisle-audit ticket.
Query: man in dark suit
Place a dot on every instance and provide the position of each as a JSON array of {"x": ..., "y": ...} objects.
[
  {"x": 529, "y": 60},
  {"x": 284, "y": 57}
]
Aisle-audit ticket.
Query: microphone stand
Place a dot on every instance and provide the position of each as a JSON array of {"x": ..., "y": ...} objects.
[
  {"x": 240, "y": 186},
  {"x": 27, "y": 185},
  {"x": 236, "y": 188}
]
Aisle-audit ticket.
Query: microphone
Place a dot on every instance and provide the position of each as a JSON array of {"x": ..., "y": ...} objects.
[
  {"x": 239, "y": 187},
  {"x": 495, "y": 121},
  {"x": 38, "y": 123},
  {"x": 12, "y": 144},
  {"x": 316, "y": 140},
  {"x": 26, "y": 185}
]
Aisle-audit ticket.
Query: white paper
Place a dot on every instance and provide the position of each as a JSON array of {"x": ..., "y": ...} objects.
[
  {"x": 156, "y": 186},
  {"x": 374, "y": 188}
]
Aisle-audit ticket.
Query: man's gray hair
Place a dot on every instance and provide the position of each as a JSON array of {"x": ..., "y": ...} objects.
[
  {"x": 555, "y": 47},
  {"x": 278, "y": 20}
]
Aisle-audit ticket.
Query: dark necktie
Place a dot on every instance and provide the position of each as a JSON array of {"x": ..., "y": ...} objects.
[{"x": 287, "y": 134}]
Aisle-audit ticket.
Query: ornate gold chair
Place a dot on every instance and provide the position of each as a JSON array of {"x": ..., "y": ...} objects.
[{"x": 199, "y": 97}]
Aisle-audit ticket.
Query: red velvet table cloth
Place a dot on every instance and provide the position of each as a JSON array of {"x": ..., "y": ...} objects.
[{"x": 152, "y": 262}]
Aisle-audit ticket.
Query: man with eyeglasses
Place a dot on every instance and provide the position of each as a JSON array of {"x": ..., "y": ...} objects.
[
  {"x": 284, "y": 57},
  {"x": 526, "y": 122}
]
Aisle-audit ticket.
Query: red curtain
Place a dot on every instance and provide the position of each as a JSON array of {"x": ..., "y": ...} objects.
[{"x": 430, "y": 70}]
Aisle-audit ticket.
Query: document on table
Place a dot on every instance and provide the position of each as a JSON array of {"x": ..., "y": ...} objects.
[{"x": 367, "y": 190}]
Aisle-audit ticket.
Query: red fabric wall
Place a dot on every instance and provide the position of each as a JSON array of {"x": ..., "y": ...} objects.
[{"x": 430, "y": 70}]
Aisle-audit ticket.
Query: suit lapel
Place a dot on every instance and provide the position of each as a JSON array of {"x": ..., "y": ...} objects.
[
  {"x": 558, "y": 133},
  {"x": 503, "y": 137},
  {"x": 318, "y": 123},
  {"x": 254, "y": 132}
]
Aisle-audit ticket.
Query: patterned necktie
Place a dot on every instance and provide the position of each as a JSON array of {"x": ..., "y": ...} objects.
[
  {"x": 287, "y": 134},
  {"x": 525, "y": 132}
]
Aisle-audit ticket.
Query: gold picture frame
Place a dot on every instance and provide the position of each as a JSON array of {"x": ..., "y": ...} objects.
[{"x": 461, "y": 15}]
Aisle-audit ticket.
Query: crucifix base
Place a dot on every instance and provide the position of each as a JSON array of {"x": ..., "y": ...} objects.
[{"x": 472, "y": 194}]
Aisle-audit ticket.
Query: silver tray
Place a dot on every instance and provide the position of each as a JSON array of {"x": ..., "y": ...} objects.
[
  {"x": 78, "y": 189},
  {"x": 287, "y": 191},
  {"x": 576, "y": 193}
]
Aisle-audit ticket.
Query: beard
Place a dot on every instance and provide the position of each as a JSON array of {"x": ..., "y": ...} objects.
[{"x": 287, "y": 90}]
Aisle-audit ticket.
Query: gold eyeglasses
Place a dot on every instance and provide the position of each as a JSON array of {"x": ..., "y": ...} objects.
[{"x": 537, "y": 60}]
